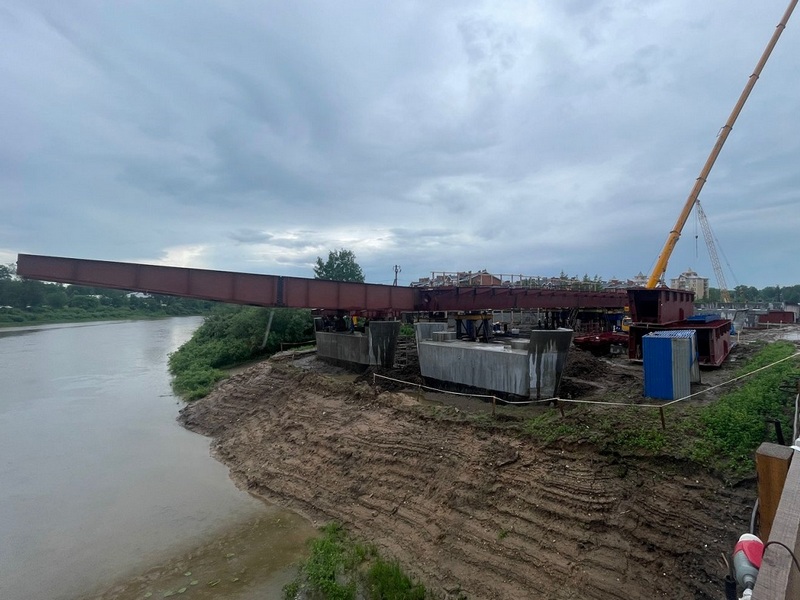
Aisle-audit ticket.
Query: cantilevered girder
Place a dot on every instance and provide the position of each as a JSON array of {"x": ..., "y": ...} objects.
[
  {"x": 221, "y": 286},
  {"x": 298, "y": 292}
]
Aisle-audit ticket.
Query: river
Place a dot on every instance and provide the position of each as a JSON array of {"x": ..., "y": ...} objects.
[{"x": 103, "y": 494}]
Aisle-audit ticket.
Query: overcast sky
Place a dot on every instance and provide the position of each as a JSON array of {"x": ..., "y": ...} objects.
[{"x": 529, "y": 137}]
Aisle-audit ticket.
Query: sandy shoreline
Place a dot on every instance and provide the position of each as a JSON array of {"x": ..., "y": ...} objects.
[{"x": 468, "y": 508}]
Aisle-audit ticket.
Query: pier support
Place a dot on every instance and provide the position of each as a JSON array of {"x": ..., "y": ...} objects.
[
  {"x": 529, "y": 368},
  {"x": 375, "y": 346}
]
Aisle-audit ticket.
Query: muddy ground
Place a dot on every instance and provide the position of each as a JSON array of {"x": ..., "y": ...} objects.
[{"x": 471, "y": 506}]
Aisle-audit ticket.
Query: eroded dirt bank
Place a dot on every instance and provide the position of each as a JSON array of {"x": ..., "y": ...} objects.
[{"x": 470, "y": 509}]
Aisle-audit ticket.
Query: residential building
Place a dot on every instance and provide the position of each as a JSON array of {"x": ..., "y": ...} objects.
[{"x": 691, "y": 281}]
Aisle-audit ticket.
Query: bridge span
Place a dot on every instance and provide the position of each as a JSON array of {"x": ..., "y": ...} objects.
[
  {"x": 528, "y": 368},
  {"x": 370, "y": 299}
]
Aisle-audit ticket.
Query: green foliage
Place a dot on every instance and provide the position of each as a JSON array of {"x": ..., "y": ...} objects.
[
  {"x": 722, "y": 436},
  {"x": 196, "y": 382},
  {"x": 56, "y": 298},
  {"x": 744, "y": 293},
  {"x": 340, "y": 266},
  {"x": 734, "y": 426},
  {"x": 32, "y": 301},
  {"x": 86, "y": 302},
  {"x": 407, "y": 330},
  {"x": 339, "y": 568},
  {"x": 35, "y": 315},
  {"x": 387, "y": 581},
  {"x": 644, "y": 437},
  {"x": 549, "y": 427},
  {"x": 231, "y": 336},
  {"x": 329, "y": 555}
]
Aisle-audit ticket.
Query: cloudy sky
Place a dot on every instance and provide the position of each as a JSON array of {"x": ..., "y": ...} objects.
[{"x": 528, "y": 137}]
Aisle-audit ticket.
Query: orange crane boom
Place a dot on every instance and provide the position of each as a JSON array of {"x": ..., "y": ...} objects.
[{"x": 661, "y": 264}]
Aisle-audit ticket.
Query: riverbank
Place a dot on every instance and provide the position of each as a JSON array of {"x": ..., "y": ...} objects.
[
  {"x": 16, "y": 317},
  {"x": 471, "y": 505}
]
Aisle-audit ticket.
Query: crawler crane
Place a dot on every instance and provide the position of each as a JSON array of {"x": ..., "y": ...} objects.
[{"x": 660, "y": 268}]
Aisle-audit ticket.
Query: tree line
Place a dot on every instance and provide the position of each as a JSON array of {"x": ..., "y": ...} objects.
[
  {"x": 31, "y": 297},
  {"x": 748, "y": 293}
]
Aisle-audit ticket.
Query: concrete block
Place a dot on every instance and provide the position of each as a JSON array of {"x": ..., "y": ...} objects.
[
  {"x": 424, "y": 331},
  {"x": 443, "y": 336},
  {"x": 485, "y": 366},
  {"x": 376, "y": 347}
]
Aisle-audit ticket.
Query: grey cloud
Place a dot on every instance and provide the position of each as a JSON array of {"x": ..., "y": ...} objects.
[
  {"x": 147, "y": 126},
  {"x": 251, "y": 236},
  {"x": 638, "y": 71}
]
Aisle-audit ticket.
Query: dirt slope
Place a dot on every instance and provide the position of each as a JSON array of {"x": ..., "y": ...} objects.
[{"x": 468, "y": 507}]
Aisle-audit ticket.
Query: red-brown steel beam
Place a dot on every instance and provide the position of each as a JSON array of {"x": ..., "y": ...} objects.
[
  {"x": 503, "y": 298},
  {"x": 221, "y": 286},
  {"x": 298, "y": 292}
]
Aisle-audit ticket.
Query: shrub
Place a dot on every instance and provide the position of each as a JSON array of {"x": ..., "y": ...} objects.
[{"x": 231, "y": 336}]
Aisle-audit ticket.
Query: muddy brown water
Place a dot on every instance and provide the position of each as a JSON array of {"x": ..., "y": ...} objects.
[{"x": 103, "y": 494}]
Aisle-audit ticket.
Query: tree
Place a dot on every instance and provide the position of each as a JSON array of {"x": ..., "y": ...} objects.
[
  {"x": 340, "y": 266},
  {"x": 55, "y": 297},
  {"x": 744, "y": 293},
  {"x": 771, "y": 293},
  {"x": 791, "y": 294}
]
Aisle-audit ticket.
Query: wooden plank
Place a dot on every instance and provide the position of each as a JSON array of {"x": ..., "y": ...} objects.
[
  {"x": 772, "y": 465},
  {"x": 778, "y": 578}
]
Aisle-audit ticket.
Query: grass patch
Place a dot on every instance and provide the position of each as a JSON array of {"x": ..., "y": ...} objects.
[
  {"x": 735, "y": 425},
  {"x": 549, "y": 427},
  {"x": 339, "y": 568},
  {"x": 387, "y": 581},
  {"x": 722, "y": 436}
]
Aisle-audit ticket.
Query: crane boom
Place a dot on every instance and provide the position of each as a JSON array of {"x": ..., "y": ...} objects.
[
  {"x": 661, "y": 264},
  {"x": 724, "y": 294}
]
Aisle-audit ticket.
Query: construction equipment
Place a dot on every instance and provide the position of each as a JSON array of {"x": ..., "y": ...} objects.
[
  {"x": 724, "y": 294},
  {"x": 661, "y": 264}
]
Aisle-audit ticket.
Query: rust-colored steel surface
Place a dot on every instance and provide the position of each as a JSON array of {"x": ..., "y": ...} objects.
[
  {"x": 222, "y": 286},
  {"x": 297, "y": 292},
  {"x": 509, "y": 298}
]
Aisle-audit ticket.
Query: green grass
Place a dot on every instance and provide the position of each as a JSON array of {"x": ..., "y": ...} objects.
[
  {"x": 339, "y": 568},
  {"x": 386, "y": 581},
  {"x": 722, "y": 436},
  {"x": 734, "y": 426}
]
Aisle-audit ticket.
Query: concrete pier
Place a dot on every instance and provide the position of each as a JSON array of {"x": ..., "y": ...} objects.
[
  {"x": 528, "y": 368},
  {"x": 375, "y": 346},
  {"x": 548, "y": 357}
]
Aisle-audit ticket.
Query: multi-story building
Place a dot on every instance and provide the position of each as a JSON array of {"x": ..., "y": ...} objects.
[{"x": 691, "y": 281}]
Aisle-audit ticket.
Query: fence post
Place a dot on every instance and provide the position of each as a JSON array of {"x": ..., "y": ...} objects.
[
  {"x": 494, "y": 404},
  {"x": 772, "y": 466},
  {"x": 663, "y": 421}
]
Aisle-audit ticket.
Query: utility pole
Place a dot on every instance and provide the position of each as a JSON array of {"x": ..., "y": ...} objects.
[{"x": 397, "y": 269}]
